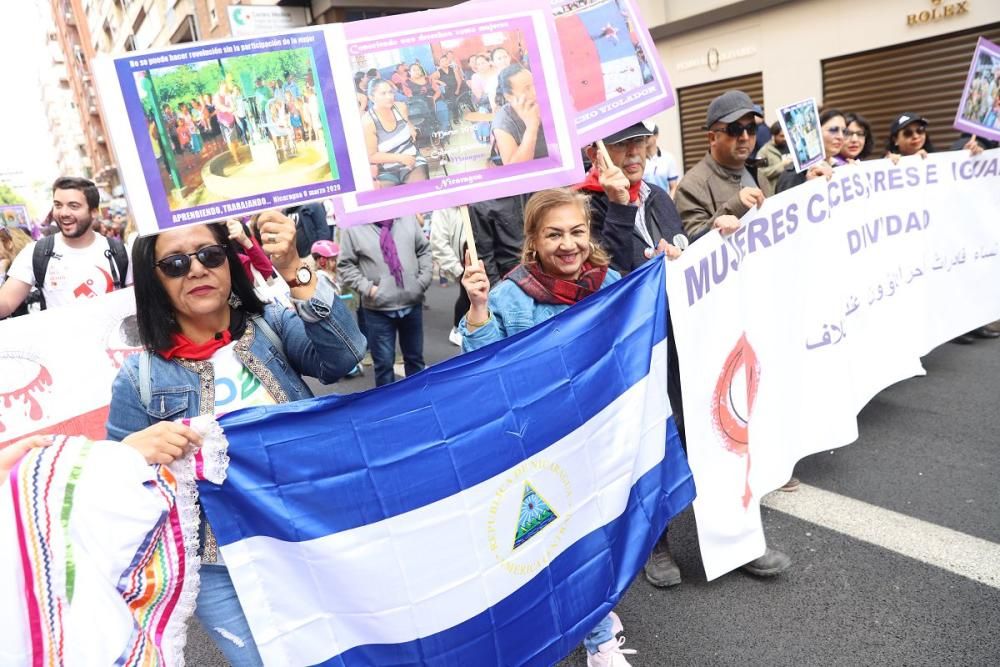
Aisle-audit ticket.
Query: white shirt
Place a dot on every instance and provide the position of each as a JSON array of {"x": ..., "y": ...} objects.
[
  {"x": 661, "y": 170},
  {"x": 235, "y": 386},
  {"x": 72, "y": 273}
]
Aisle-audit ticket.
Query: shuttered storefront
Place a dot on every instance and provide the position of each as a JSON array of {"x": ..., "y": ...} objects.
[
  {"x": 693, "y": 103},
  {"x": 924, "y": 77}
]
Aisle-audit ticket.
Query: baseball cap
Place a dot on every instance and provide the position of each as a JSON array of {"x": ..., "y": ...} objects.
[
  {"x": 905, "y": 119},
  {"x": 630, "y": 132},
  {"x": 729, "y": 106},
  {"x": 325, "y": 248}
]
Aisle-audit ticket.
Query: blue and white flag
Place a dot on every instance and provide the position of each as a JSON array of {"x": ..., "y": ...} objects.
[{"x": 489, "y": 510}]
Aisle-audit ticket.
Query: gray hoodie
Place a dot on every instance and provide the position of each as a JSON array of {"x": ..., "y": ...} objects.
[{"x": 362, "y": 266}]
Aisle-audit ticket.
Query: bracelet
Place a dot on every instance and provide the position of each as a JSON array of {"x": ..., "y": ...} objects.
[{"x": 468, "y": 322}]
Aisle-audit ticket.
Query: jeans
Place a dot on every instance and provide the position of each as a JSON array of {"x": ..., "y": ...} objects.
[
  {"x": 221, "y": 615},
  {"x": 600, "y": 634},
  {"x": 382, "y": 328}
]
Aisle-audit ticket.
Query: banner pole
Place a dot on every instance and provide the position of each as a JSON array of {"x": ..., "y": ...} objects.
[
  {"x": 469, "y": 238},
  {"x": 602, "y": 149}
]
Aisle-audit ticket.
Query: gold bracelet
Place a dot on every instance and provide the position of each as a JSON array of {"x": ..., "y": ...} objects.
[{"x": 468, "y": 322}]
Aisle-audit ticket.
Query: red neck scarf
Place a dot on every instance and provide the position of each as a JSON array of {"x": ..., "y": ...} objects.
[
  {"x": 593, "y": 183},
  {"x": 185, "y": 348},
  {"x": 544, "y": 288}
]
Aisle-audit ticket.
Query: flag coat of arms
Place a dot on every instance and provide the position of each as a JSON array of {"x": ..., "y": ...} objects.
[{"x": 491, "y": 509}]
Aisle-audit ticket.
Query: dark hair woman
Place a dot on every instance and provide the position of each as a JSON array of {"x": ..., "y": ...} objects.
[
  {"x": 908, "y": 136},
  {"x": 832, "y": 124},
  {"x": 391, "y": 138},
  {"x": 212, "y": 346},
  {"x": 859, "y": 142}
]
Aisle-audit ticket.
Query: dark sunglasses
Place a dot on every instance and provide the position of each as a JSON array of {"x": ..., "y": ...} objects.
[
  {"x": 736, "y": 129},
  {"x": 175, "y": 266},
  {"x": 917, "y": 130}
]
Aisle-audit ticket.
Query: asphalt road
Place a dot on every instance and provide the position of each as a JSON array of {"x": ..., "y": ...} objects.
[{"x": 926, "y": 461}]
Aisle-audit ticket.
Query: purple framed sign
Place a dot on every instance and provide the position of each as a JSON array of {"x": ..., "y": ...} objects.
[
  {"x": 979, "y": 110},
  {"x": 221, "y": 129},
  {"x": 14, "y": 215},
  {"x": 617, "y": 77},
  {"x": 800, "y": 123},
  {"x": 454, "y": 106}
]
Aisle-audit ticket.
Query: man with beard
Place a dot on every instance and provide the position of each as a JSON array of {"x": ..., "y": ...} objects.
[
  {"x": 775, "y": 157},
  {"x": 72, "y": 264},
  {"x": 717, "y": 191}
]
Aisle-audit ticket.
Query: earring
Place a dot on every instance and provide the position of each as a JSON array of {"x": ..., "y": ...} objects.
[{"x": 234, "y": 301}]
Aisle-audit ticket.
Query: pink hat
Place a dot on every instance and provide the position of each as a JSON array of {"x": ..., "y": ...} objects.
[{"x": 325, "y": 249}]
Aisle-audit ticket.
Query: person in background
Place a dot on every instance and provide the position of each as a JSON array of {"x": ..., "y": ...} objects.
[
  {"x": 447, "y": 250},
  {"x": 661, "y": 167},
  {"x": 325, "y": 254},
  {"x": 859, "y": 142},
  {"x": 389, "y": 264},
  {"x": 250, "y": 254},
  {"x": 776, "y": 158}
]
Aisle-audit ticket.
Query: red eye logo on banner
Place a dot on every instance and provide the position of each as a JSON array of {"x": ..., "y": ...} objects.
[
  {"x": 732, "y": 403},
  {"x": 23, "y": 379}
]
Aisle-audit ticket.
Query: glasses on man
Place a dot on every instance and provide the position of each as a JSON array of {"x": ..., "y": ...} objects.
[
  {"x": 175, "y": 266},
  {"x": 914, "y": 131},
  {"x": 736, "y": 129},
  {"x": 854, "y": 134}
]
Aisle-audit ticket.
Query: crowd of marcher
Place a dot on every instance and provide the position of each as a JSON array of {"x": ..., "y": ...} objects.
[{"x": 272, "y": 296}]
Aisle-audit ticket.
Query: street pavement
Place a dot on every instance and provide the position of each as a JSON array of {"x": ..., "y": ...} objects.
[{"x": 895, "y": 539}]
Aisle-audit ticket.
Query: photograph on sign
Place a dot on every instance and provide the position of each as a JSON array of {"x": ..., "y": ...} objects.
[
  {"x": 452, "y": 109},
  {"x": 979, "y": 111},
  {"x": 800, "y": 123},
  {"x": 616, "y": 76},
  {"x": 14, "y": 215},
  {"x": 225, "y": 128}
]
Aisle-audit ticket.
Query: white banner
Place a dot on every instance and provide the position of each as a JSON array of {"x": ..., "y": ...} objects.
[
  {"x": 827, "y": 294},
  {"x": 57, "y": 366}
]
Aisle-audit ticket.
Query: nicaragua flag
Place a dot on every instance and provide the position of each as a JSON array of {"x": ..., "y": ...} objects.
[{"x": 489, "y": 510}]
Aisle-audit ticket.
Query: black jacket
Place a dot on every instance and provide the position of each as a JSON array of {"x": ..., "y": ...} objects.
[
  {"x": 613, "y": 226},
  {"x": 498, "y": 228},
  {"x": 310, "y": 227}
]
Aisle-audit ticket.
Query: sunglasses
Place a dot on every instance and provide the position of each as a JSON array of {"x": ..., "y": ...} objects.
[
  {"x": 175, "y": 266},
  {"x": 916, "y": 131},
  {"x": 736, "y": 129}
]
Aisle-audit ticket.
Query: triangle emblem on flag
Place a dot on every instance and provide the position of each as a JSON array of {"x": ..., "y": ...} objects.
[{"x": 535, "y": 514}]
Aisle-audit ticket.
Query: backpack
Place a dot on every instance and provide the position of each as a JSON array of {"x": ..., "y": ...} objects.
[{"x": 44, "y": 249}]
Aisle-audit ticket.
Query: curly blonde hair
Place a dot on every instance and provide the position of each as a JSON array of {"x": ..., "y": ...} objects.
[
  {"x": 12, "y": 241},
  {"x": 538, "y": 208}
]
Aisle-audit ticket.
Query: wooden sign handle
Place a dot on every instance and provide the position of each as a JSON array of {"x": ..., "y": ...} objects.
[{"x": 469, "y": 238}]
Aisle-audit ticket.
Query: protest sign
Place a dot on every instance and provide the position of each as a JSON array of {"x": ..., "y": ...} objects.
[
  {"x": 223, "y": 129},
  {"x": 615, "y": 75},
  {"x": 425, "y": 135},
  {"x": 52, "y": 384},
  {"x": 979, "y": 110},
  {"x": 800, "y": 123},
  {"x": 14, "y": 215},
  {"x": 827, "y": 294}
]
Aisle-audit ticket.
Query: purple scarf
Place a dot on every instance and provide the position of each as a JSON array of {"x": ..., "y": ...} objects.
[{"x": 389, "y": 254}]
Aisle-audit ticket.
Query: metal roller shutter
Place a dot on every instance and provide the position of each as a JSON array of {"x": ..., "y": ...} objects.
[
  {"x": 924, "y": 77},
  {"x": 693, "y": 103}
]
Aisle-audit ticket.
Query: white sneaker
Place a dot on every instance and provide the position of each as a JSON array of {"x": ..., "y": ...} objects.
[
  {"x": 610, "y": 654},
  {"x": 455, "y": 337}
]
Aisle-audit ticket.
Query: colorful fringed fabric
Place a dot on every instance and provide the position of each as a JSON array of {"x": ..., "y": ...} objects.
[{"x": 98, "y": 560}]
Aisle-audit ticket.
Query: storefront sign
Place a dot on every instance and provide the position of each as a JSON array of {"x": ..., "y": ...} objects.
[
  {"x": 714, "y": 57},
  {"x": 938, "y": 12}
]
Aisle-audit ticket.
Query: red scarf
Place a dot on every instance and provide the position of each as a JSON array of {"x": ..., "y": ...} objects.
[
  {"x": 185, "y": 348},
  {"x": 544, "y": 288},
  {"x": 593, "y": 183}
]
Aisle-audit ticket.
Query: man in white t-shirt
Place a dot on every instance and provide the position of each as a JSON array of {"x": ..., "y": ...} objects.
[
  {"x": 82, "y": 264},
  {"x": 661, "y": 167}
]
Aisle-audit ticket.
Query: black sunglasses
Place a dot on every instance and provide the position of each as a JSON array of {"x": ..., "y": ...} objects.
[
  {"x": 736, "y": 129},
  {"x": 916, "y": 130},
  {"x": 175, "y": 266}
]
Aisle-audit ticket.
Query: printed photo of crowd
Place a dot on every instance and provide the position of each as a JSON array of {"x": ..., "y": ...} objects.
[
  {"x": 453, "y": 106},
  {"x": 982, "y": 97},
  {"x": 233, "y": 127}
]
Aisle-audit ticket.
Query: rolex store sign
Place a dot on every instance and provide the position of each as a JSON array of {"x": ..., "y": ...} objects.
[{"x": 938, "y": 11}]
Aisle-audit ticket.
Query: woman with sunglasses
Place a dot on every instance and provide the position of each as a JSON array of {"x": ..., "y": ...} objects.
[
  {"x": 858, "y": 138},
  {"x": 908, "y": 135},
  {"x": 212, "y": 346},
  {"x": 832, "y": 124}
]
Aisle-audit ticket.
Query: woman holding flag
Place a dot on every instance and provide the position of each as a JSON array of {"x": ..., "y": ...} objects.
[{"x": 212, "y": 346}]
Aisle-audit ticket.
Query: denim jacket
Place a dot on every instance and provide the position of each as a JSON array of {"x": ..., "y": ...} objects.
[
  {"x": 512, "y": 311},
  {"x": 322, "y": 340}
]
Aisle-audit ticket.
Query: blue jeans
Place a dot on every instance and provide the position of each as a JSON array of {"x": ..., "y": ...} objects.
[
  {"x": 382, "y": 328},
  {"x": 221, "y": 615},
  {"x": 600, "y": 634}
]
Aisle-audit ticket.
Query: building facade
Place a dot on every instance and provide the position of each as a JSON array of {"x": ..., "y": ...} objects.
[{"x": 877, "y": 59}]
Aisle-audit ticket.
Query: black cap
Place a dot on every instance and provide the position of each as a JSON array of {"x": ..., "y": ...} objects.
[
  {"x": 729, "y": 106},
  {"x": 630, "y": 132},
  {"x": 905, "y": 119}
]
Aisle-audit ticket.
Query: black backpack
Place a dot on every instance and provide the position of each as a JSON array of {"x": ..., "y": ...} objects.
[{"x": 44, "y": 249}]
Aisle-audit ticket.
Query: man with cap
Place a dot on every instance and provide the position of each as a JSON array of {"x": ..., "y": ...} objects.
[
  {"x": 631, "y": 218},
  {"x": 717, "y": 191}
]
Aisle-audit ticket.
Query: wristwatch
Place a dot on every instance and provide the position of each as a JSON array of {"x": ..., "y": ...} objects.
[{"x": 303, "y": 276}]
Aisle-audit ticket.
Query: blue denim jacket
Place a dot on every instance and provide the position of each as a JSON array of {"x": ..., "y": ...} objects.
[
  {"x": 512, "y": 311},
  {"x": 322, "y": 340}
]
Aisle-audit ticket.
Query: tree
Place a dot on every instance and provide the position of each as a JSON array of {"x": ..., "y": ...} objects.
[{"x": 8, "y": 196}]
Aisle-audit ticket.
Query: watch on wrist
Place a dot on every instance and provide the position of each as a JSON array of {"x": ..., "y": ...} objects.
[{"x": 303, "y": 276}]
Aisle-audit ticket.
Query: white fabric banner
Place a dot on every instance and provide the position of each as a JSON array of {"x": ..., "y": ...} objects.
[{"x": 827, "y": 294}]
